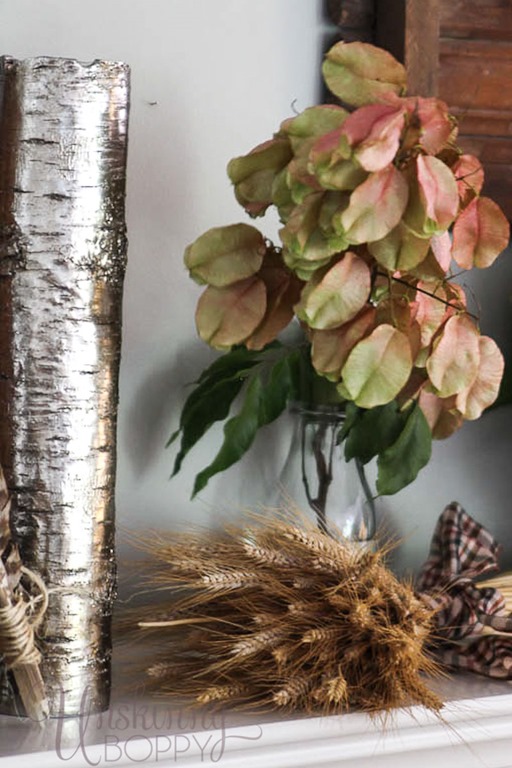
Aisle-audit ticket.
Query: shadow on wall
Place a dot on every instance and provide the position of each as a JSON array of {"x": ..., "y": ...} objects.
[
  {"x": 154, "y": 415},
  {"x": 155, "y": 409},
  {"x": 492, "y": 291}
]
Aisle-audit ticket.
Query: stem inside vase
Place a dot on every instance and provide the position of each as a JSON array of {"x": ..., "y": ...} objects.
[{"x": 336, "y": 491}]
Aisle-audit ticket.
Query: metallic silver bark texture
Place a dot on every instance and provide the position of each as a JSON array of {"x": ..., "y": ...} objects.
[{"x": 63, "y": 143}]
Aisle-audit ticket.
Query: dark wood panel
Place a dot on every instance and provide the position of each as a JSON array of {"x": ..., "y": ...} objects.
[
  {"x": 498, "y": 186},
  {"x": 381, "y": 22},
  {"x": 390, "y": 27},
  {"x": 476, "y": 73},
  {"x": 487, "y": 122},
  {"x": 422, "y": 47},
  {"x": 487, "y": 19},
  {"x": 355, "y": 18},
  {"x": 489, "y": 149},
  {"x": 466, "y": 45}
]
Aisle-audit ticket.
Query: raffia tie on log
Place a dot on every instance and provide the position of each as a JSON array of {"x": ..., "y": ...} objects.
[
  {"x": 17, "y": 636},
  {"x": 20, "y": 615}
]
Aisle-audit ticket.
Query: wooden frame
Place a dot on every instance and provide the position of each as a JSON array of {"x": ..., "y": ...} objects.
[{"x": 459, "y": 50}]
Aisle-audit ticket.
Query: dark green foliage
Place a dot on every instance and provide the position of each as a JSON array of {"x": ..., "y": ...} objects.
[
  {"x": 268, "y": 380},
  {"x": 400, "y": 439},
  {"x": 270, "y": 384}
]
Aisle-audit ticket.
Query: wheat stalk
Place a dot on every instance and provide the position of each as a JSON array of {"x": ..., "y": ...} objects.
[{"x": 288, "y": 618}]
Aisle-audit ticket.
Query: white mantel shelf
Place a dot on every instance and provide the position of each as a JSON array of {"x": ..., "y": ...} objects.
[{"x": 474, "y": 731}]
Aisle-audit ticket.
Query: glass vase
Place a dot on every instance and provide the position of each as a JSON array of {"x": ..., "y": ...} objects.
[{"x": 316, "y": 477}]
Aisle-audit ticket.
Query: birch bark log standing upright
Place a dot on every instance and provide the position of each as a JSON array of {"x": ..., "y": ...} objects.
[{"x": 63, "y": 142}]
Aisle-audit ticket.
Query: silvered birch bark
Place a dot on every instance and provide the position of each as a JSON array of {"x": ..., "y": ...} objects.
[{"x": 63, "y": 142}]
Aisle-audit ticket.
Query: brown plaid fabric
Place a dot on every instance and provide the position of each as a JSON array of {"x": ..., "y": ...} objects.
[{"x": 466, "y": 615}]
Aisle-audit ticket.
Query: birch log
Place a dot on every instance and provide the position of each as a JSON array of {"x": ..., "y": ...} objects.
[{"x": 63, "y": 142}]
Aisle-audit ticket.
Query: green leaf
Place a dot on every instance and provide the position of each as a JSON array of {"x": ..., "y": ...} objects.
[
  {"x": 281, "y": 387},
  {"x": 438, "y": 192},
  {"x": 270, "y": 155},
  {"x": 453, "y": 365},
  {"x": 480, "y": 234},
  {"x": 483, "y": 391},
  {"x": 239, "y": 434},
  {"x": 299, "y": 179},
  {"x": 377, "y": 368},
  {"x": 374, "y": 432},
  {"x": 338, "y": 295},
  {"x": 433, "y": 197},
  {"x": 253, "y": 175},
  {"x": 283, "y": 292},
  {"x": 331, "y": 348},
  {"x": 263, "y": 404},
  {"x": 359, "y": 73},
  {"x": 376, "y": 207},
  {"x": 237, "y": 359},
  {"x": 330, "y": 161},
  {"x": 203, "y": 390},
  {"x": 435, "y": 123},
  {"x": 224, "y": 255},
  {"x": 469, "y": 175},
  {"x": 229, "y": 315},
  {"x": 399, "y": 464},
  {"x": 352, "y": 415},
  {"x": 374, "y": 131},
  {"x": 211, "y": 398},
  {"x": 301, "y": 235},
  {"x": 204, "y": 408},
  {"x": 400, "y": 250},
  {"x": 282, "y": 196},
  {"x": 314, "y": 121}
]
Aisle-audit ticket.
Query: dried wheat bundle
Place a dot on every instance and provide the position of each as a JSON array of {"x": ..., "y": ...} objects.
[{"x": 276, "y": 614}]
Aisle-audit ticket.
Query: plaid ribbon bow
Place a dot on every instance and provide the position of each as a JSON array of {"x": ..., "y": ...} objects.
[{"x": 474, "y": 627}]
